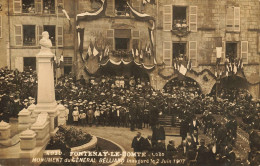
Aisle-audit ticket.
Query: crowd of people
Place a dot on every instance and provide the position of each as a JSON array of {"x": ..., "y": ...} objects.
[
  {"x": 18, "y": 91},
  {"x": 132, "y": 102}
]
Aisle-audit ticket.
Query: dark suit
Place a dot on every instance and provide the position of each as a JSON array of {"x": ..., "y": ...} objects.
[
  {"x": 202, "y": 156},
  {"x": 137, "y": 145},
  {"x": 147, "y": 146}
]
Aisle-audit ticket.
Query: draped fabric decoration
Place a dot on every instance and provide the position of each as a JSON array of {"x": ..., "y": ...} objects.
[
  {"x": 92, "y": 15},
  {"x": 80, "y": 39},
  {"x": 140, "y": 16},
  {"x": 97, "y": 57},
  {"x": 141, "y": 65}
]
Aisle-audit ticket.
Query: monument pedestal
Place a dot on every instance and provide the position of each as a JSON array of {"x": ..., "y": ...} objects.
[{"x": 46, "y": 102}]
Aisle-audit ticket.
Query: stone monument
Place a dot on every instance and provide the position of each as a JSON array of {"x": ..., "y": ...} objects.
[{"x": 46, "y": 93}]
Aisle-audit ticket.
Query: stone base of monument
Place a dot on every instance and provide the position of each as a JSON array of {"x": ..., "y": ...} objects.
[
  {"x": 42, "y": 128},
  {"x": 5, "y": 133}
]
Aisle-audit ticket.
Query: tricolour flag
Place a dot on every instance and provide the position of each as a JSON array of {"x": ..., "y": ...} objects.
[
  {"x": 183, "y": 70},
  {"x": 136, "y": 52},
  {"x": 95, "y": 51}
]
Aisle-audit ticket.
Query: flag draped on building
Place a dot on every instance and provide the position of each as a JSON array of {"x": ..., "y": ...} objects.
[
  {"x": 89, "y": 15},
  {"x": 80, "y": 39}
]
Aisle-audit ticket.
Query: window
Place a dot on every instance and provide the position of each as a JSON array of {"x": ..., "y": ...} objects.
[
  {"x": 51, "y": 30},
  {"x": 231, "y": 51},
  {"x": 122, "y": 38},
  {"x": 28, "y": 6},
  {"x": 49, "y": 6},
  {"x": 167, "y": 52},
  {"x": 179, "y": 18},
  {"x": 29, "y": 63},
  {"x": 175, "y": 18},
  {"x": 29, "y": 35},
  {"x": 179, "y": 51},
  {"x": 233, "y": 19},
  {"x": 67, "y": 70},
  {"x": 121, "y": 8},
  {"x": 67, "y": 65},
  {"x": 122, "y": 43}
]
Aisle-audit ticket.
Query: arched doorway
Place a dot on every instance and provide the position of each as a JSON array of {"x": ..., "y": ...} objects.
[
  {"x": 130, "y": 70},
  {"x": 181, "y": 83},
  {"x": 230, "y": 88}
]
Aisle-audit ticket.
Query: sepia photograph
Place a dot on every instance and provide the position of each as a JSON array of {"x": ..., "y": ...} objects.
[{"x": 129, "y": 82}]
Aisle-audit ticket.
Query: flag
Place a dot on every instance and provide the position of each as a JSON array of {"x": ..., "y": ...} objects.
[
  {"x": 89, "y": 52},
  {"x": 183, "y": 70},
  {"x": 235, "y": 69},
  {"x": 133, "y": 52},
  {"x": 136, "y": 52},
  {"x": 154, "y": 61},
  {"x": 242, "y": 64},
  {"x": 227, "y": 73},
  {"x": 95, "y": 51},
  {"x": 61, "y": 60},
  {"x": 149, "y": 51},
  {"x": 101, "y": 56},
  {"x": 175, "y": 66},
  {"x": 141, "y": 54},
  {"x": 106, "y": 51},
  {"x": 216, "y": 74}
]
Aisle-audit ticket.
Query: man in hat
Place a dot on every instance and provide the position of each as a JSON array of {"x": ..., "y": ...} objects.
[
  {"x": 97, "y": 116},
  {"x": 202, "y": 154},
  {"x": 75, "y": 115},
  {"x": 82, "y": 117},
  {"x": 138, "y": 143},
  {"x": 90, "y": 114}
]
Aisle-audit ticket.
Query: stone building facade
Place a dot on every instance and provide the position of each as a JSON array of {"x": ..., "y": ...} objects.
[
  {"x": 186, "y": 31},
  {"x": 28, "y": 19},
  {"x": 4, "y": 34},
  {"x": 234, "y": 25}
]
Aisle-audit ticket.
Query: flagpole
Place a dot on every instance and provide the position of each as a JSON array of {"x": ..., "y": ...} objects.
[{"x": 57, "y": 24}]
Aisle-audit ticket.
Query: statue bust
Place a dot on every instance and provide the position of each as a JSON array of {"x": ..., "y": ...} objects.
[{"x": 45, "y": 42}]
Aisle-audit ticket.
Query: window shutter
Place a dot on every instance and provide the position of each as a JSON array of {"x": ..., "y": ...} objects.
[
  {"x": 223, "y": 54},
  {"x": 110, "y": 10},
  {"x": 39, "y": 33},
  {"x": 193, "y": 53},
  {"x": 258, "y": 42},
  {"x": 237, "y": 19},
  {"x": 1, "y": 29},
  {"x": 19, "y": 63},
  {"x": 230, "y": 19},
  {"x": 136, "y": 40},
  {"x": 18, "y": 31},
  {"x": 167, "y": 53},
  {"x": 244, "y": 51},
  {"x": 17, "y": 6},
  {"x": 110, "y": 39},
  {"x": 59, "y": 37},
  {"x": 38, "y": 6},
  {"x": 167, "y": 17},
  {"x": 193, "y": 19},
  {"x": 60, "y": 5}
]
